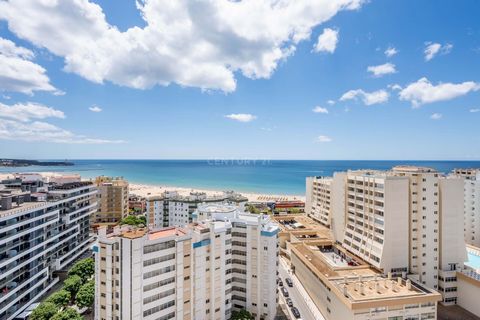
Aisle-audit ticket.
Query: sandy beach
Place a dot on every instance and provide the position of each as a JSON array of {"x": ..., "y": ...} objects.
[
  {"x": 145, "y": 190},
  {"x": 150, "y": 190}
]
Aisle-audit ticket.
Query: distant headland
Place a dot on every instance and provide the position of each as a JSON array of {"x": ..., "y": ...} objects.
[{"x": 27, "y": 163}]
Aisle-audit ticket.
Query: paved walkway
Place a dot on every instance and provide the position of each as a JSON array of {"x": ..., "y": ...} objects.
[{"x": 307, "y": 308}]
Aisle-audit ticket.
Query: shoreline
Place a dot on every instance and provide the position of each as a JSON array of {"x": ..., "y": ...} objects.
[{"x": 145, "y": 189}]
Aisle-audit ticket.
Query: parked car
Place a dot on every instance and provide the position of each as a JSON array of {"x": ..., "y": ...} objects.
[
  {"x": 285, "y": 292},
  {"x": 289, "y": 302},
  {"x": 289, "y": 282},
  {"x": 295, "y": 312},
  {"x": 280, "y": 283}
]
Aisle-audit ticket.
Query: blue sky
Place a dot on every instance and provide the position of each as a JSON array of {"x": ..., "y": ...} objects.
[{"x": 47, "y": 115}]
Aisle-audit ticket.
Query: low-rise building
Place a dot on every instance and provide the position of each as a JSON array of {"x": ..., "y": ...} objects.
[{"x": 173, "y": 209}]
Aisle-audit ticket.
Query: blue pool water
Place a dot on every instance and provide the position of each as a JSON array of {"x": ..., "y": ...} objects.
[
  {"x": 261, "y": 176},
  {"x": 473, "y": 261}
]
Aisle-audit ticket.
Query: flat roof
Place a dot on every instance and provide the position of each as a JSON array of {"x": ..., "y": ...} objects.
[{"x": 361, "y": 284}]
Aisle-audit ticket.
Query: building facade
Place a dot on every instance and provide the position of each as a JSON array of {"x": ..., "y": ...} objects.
[
  {"x": 225, "y": 261},
  {"x": 112, "y": 200},
  {"x": 43, "y": 229},
  {"x": 172, "y": 209},
  {"x": 404, "y": 220},
  {"x": 471, "y": 204}
]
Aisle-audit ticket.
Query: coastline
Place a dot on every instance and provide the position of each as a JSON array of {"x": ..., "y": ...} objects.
[{"x": 144, "y": 190}]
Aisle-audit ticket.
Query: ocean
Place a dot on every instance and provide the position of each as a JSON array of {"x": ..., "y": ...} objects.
[{"x": 255, "y": 176}]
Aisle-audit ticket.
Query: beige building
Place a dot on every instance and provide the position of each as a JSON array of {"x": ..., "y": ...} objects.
[
  {"x": 226, "y": 261},
  {"x": 405, "y": 220},
  {"x": 112, "y": 200},
  {"x": 358, "y": 292}
]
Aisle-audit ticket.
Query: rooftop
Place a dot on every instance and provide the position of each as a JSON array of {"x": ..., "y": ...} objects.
[{"x": 360, "y": 283}]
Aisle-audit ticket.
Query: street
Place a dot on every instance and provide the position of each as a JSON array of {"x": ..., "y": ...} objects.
[{"x": 300, "y": 298}]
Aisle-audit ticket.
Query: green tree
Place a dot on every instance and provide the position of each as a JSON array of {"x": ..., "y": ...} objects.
[
  {"x": 60, "y": 298},
  {"x": 44, "y": 311},
  {"x": 86, "y": 295},
  {"x": 72, "y": 284},
  {"x": 133, "y": 220},
  {"x": 67, "y": 314},
  {"x": 84, "y": 268},
  {"x": 241, "y": 315}
]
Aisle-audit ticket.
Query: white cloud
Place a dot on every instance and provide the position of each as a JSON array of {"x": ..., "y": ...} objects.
[
  {"x": 26, "y": 112},
  {"x": 95, "y": 109},
  {"x": 323, "y": 138},
  {"x": 390, "y": 52},
  {"x": 432, "y": 49},
  {"x": 17, "y": 122},
  {"x": 319, "y": 109},
  {"x": 368, "y": 98},
  {"x": 200, "y": 44},
  {"x": 327, "y": 41},
  {"x": 423, "y": 91},
  {"x": 475, "y": 110},
  {"x": 395, "y": 86},
  {"x": 18, "y": 73},
  {"x": 241, "y": 117},
  {"x": 381, "y": 70},
  {"x": 436, "y": 116},
  {"x": 331, "y": 102}
]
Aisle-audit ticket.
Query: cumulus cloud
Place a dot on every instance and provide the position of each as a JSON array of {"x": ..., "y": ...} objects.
[
  {"x": 191, "y": 43},
  {"x": 26, "y": 111},
  {"x": 423, "y": 91},
  {"x": 241, "y": 117},
  {"x": 327, "y": 41},
  {"x": 323, "y": 138},
  {"x": 390, "y": 52},
  {"x": 319, "y": 109},
  {"x": 18, "y": 122},
  {"x": 331, "y": 102},
  {"x": 95, "y": 108},
  {"x": 432, "y": 49},
  {"x": 381, "y": 70},
  {"x": 368, "y": 98},
  {"x": 436, "y": 116},
  {"x": 17, "y": 71},
  {"x": 475, "y": 110}
]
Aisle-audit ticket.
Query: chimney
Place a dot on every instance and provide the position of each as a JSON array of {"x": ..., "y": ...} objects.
[
  {"x": 409, "y": 284},
  {"x": 389, "y": 275},
  {"x": 345, "y": 290},
  {"x": 399, "y": 281},
  {"x": 362, "y": 289},
  {"x": 404, "y": 275},
  {"x": 377, "y": 286}
]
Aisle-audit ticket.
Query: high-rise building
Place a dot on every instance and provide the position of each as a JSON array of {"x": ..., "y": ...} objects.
[
  {"x": 406, "y": 220},
  {"x": 112, "y": 200},
  {"x": 172, "y": 209},
  {"x": 43, "y": 229},
  {"x": 225, "y": 261},
  {"x": 471, "y": 204}
]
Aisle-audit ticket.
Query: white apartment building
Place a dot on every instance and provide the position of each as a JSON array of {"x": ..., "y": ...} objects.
[
  {"x": 376, "y": 224},
  {"x": 325, "y": 202},
  {"x": 359, "y": 292},
  {"x": 471, "y": 204},
  {"x": 225, "y": 261},
  {"x": 172, "y": 209},
  {"x": 408, "y": 219},
  {"x": 43, "y": 228}
]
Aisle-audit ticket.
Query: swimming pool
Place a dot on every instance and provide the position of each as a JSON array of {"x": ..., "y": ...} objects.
[{"x": 473, "y": 261}]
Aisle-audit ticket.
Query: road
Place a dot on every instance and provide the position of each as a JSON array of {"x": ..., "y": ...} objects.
[{"x": 300, "y": 298}]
